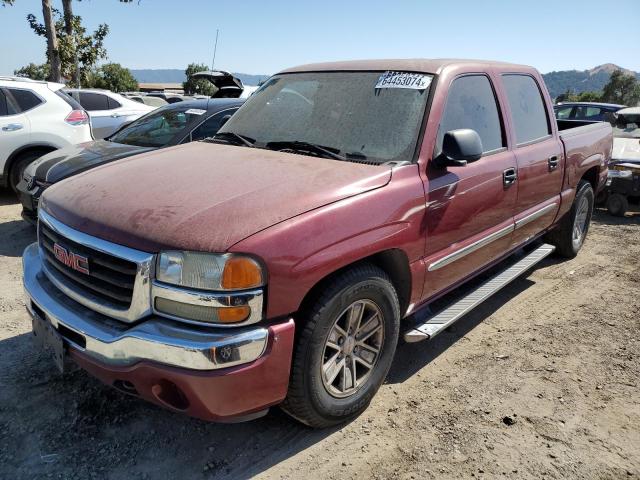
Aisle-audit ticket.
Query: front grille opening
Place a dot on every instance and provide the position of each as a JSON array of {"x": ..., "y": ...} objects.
[
  {"x": 38, "y": 311},
  {"x": 72, "y": 336},
  {"x": 109, "y": 277},
  {"x": 170, "y": 395}
]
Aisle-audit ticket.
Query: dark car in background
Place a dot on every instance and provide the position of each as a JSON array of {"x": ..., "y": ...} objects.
[
  {"x": 586, "y": 111},
  {"x": 170, "y": 125}
]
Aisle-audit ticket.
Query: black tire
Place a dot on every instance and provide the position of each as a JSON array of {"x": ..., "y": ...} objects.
[
  {"x": 18, "y": 166},
  {"x": 309, "y": 398},
  {"x": 562, "y": 236},
  {"x": 617, "y": 204}
]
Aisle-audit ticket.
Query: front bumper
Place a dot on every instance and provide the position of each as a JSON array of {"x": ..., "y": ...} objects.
[{"x": 209, "y": 373}]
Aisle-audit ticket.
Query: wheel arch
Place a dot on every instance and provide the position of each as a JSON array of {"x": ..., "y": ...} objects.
[
  {"x": 44, "y": 147},
  {"x": 394, "y": 262},
  {"x": 592, "y": 175}
]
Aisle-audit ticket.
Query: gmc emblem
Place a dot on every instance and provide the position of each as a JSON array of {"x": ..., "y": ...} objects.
[{"x": 70, "y": 259}]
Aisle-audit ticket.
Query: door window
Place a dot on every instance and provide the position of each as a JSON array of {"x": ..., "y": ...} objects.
[
  {"x": 113, "y": 103},
  {"x": 563, "y": 113},
  {"x": 92, "y": 102},
  {"x": 3, "y": 105},
  {"x": 527, "y": 108},
  {"x": 210, "y": 126},
  {"x": 472, "y": 104},
  {"x": 24, "y": 99}
]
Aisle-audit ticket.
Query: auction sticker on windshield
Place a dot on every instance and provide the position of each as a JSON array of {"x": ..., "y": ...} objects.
[
  {"x": 195, "y": 111},
  {"x": 416, "y": 81}
]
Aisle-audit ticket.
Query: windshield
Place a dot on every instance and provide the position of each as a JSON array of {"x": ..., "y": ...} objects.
[
  {"x": 359, "y": 116},
  {"x": 157, "y": 129},
  {"x": 627, "y": 125}
]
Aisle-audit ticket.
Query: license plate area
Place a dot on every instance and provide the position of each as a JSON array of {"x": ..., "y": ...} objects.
[{"x": 49, "y": 340}]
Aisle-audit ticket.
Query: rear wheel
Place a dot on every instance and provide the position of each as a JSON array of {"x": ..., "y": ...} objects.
[
  {"x": 568, "y": 237},
  {"x": 617, "y": 204},
  {"x": 344, "y": 352},
  {"x": 18, "y": 166}
]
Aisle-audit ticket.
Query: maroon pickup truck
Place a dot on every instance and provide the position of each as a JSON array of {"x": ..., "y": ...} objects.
[{"x": 280, "y": 261}]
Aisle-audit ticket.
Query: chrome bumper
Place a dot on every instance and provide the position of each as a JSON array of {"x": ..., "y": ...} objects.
[{"x": 154, "y": 339}]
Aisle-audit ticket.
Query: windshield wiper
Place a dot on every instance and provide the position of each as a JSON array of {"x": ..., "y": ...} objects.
[
  {"x": 306, "y": 147},
  {"x": 232, "y": 137}
]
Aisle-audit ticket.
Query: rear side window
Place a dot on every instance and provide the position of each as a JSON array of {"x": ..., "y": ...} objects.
[
  {"x": 210, "y": 126},
  {"x": 527, "y": 108},
  {"x": 472, "y": 104},
  {"x": 93, "y": 101},
  {"x": 3, "y": 105},
  {"x": 113, "y": 103},
  {"x": 563, "y": 113},
  {"x": 69, "y": 100},
  {"x": 24, "y": 99}
]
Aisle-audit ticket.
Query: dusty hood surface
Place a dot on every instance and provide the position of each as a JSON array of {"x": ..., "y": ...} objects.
[
  {"x": 626, "y": 149},
  {"x": 68, "y": 161},
  {"x": 202, "y": 196}
]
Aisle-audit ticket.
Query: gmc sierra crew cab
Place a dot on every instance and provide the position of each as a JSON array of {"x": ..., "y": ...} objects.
[{"x": 279, "y": 262}]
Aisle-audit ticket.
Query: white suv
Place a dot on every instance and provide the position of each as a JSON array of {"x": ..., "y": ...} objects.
[
  {"x": 35, "y": 118},
  {"x": 108, "y": 111}
]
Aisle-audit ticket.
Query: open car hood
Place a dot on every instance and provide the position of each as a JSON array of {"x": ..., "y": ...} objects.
[{"x": 226, "y": 84}]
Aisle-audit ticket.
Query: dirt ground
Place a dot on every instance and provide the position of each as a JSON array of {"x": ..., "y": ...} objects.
[{"x": 539, "y": 382}]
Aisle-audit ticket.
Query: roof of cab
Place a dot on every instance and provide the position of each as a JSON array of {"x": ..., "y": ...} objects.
[{"x": 433, "y": 66}]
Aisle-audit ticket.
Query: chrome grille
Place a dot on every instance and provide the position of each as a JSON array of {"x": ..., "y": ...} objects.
[
  {"x": 117, "y": 283},
  {"x": 109, "y": 276}
]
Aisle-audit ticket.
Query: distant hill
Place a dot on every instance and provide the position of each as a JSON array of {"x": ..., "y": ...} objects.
[
  {"x": 582, "y": 81},
  {"x": 557, "y": 82},
  {"x": 174, "y": 75}
]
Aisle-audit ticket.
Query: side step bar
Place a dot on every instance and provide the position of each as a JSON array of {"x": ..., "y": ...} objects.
[{"x": 435, "y": 324}]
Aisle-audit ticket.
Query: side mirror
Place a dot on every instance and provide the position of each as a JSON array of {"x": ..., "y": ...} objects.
[{"x": 459, "y": 147}]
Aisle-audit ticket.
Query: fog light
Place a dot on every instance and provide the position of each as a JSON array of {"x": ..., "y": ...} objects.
[{"x": 202, "y": 313}]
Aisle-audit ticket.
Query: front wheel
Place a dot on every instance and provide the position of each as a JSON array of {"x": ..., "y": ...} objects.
[
  {"x": 569, "y": 235},
  {"x": 345, "y": 349}
]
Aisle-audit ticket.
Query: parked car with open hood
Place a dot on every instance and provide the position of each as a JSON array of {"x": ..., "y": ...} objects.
[
  {"x": 166, "y": 126},
  {"x": 626, "y": 135},
  {"x": 280, "y": 261},
  {"x": 35, "y": 118}
]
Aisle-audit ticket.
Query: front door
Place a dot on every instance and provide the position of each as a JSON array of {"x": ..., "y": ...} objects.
[{"x": 469, "y": 217}]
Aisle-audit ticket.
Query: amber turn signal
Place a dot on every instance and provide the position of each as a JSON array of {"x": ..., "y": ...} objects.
[
  {"x": 240, "y": 273},
  {"x": 233, "y": 314}
]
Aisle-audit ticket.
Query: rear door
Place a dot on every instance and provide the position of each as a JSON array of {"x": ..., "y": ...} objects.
[
  {"x": 469, "y": 218},
  {"x": 104, "y": 121},
  {"x": 15, "y": 129},
  {"x": 539, "y": 155}
]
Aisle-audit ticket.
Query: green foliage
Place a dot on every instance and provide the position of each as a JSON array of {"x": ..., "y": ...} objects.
[
  {"x": 114, "y": 77},
  {"x": 90, "y": 47},
  {"x": 622, "y": 88},
  {"x": 33, "y": 71},
  {"x": 7, "y": 2},
  {"x": 570, "y": 96},
  {"x": 203, "y": 87}
]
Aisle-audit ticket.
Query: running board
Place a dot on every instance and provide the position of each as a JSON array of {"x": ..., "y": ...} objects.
[{"x": 435, "y": 324}]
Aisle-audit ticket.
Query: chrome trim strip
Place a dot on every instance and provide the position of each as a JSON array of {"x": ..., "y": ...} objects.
[
  {"x": 141, "y": 298},
  {"x": 463, "y": 252},
  {"x": 156, "y": 339},
  {"x": 535, "y": 215},
  {"x": 252, "y": 298}
]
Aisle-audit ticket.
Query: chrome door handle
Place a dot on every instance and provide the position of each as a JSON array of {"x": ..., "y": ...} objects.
[
  {"x": 12, "y": 127},
  {"x": 553, "y": 162},
  {"x": 114, "y": 115},
  {"x": 509, "y": 176}
]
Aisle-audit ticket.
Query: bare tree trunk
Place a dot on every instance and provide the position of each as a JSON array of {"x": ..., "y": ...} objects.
[
  {"x": 55, "y": 74},
  {"x": 67, "y": 9}
]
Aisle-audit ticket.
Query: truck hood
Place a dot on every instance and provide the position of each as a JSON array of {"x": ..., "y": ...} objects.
[
  {"x": 625, "y": 149},
  {"x": 68, "y": 161},
  {"x": 202, "y": 196}
]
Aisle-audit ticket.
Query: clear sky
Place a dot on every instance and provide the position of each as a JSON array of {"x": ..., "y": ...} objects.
[{"x": 262, "y": 37}]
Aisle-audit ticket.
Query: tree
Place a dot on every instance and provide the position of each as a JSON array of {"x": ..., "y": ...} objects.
[
  {"x": 53, "y": 54},
  {"x": 570, "y": 96},
  {"x": 114, "y": 77},
  {"x": 89, "y": 48},
  {"x": 622, "y": 89},
  {"x": 34, "y": 71},
  {"x": 203, "y": 87}
]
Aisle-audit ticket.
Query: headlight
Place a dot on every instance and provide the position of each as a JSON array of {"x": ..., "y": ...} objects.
[
  {"x": 206, "y": 271},
  {"x": 233, "y": 280},
  {"x": 620, "y": 174}
]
